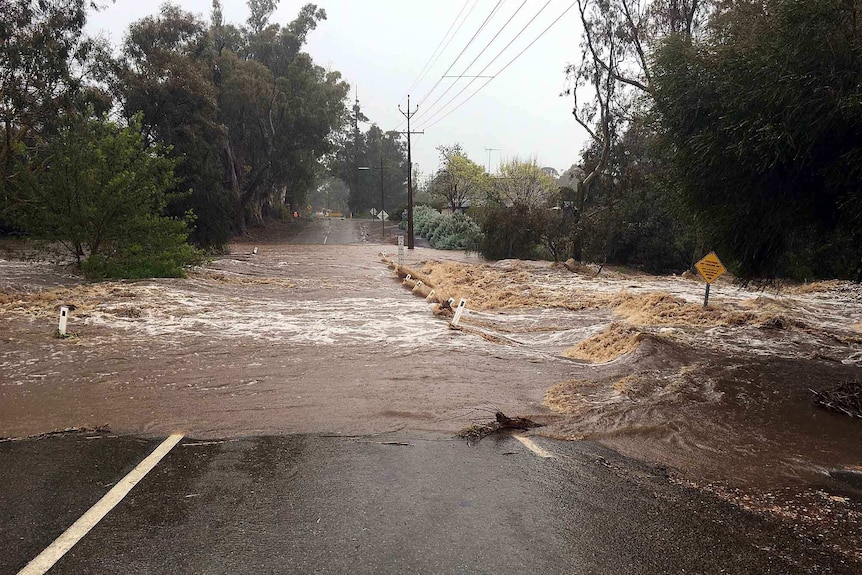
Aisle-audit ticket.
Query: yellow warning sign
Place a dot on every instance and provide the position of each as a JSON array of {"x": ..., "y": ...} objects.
[{"x": 710, "y": 267}]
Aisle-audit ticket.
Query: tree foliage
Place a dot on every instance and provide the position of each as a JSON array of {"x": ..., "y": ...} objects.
[
  {"x": 522, "y": 182},
  {"x": 166, "y": 74},
  {"x": 242, "y": 113},
  {"x": 762, "y": 126},
  {"x": 248, "y": 112},
  {"x": 100, "y": 191},
  {"x": 44, "y": 64},
  {"x": 385, "y": 153},
  {"x": 460, "y": 181}
]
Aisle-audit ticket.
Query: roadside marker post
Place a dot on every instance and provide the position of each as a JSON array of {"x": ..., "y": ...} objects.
[
  {"x": 64, "y": 316},
  {"x": 400, "y": 251},
  {"x": 417, "y": 286},
  {"x": 710, "y": 268},
  {"x": 460, "y": 310}
]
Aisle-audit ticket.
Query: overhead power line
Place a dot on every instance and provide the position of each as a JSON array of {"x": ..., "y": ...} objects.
[
  {"x": 488, "y": 65},
  {"x": 479, "y": 55},
  {"x": 435, "y": 55},
  {"x": 488, "y": 81},
  {"x": 461, "y": 53}
]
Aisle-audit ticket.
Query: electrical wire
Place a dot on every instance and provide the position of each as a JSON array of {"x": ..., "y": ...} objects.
[
  {"x": 551, "y": 25},
  {"x": 479, "y": 55},
  {"x": 488, "y": 65},
  {"x": 429, "y": 63},
  {"x": 461, "y": 53}
]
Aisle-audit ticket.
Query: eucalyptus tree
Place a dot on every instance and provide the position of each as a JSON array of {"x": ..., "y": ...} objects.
[
  {"x": 275, "y": 137},
  {"x": 167, "y": 73},
  {"x": 611, "y": 83},
  {"x": 386, "y": 153}
]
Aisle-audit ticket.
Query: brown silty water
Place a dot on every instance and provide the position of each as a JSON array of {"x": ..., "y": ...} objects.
[{"x": 331, "y": 339}]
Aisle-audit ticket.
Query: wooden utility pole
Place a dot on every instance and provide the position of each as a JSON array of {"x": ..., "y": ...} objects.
[
  {"x": 382, "y": 209},
  {"x": 408, "y": 114}
]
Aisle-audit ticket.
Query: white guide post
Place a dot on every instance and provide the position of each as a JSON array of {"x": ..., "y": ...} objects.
[
  {"x": 460, "y": 310},
  {"x": 64, "y": 316}
]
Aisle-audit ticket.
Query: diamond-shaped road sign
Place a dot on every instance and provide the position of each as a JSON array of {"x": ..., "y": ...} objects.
[
  {"x": 382, "y": 215},
  {"x": 710, "y": 267}
]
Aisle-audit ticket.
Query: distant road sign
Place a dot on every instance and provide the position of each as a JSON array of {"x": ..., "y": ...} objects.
[
  {"x": 710, "y": 267},
  {"x": 382, "y": 215},
  {"x": 373, "y": 211}
]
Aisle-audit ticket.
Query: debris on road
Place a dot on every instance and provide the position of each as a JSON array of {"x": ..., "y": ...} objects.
[
  {"x": 501, "y": 422},
  {"x": 845, "y": 398},
  {"x": 101, "y": 429}
]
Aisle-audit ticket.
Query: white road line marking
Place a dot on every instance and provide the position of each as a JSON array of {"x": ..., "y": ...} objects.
[
  {"x": 534, "y": 447},
  {"x": 47, "y": 558}
]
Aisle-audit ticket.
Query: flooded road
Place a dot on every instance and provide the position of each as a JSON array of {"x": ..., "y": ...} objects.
[
  {"x": 298, "y": 338},
  {"x": 307, "y": 337}
]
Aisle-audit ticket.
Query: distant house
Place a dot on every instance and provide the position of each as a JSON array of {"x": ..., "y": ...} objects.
[{"x": 461, "y": 209}]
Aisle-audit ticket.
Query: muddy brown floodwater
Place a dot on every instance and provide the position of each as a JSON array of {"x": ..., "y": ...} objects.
[{"x": 329, "y": 338}]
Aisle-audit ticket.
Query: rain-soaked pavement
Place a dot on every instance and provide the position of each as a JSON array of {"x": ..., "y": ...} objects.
[
  {"x": 269, "y": 353},
  {"x": 400, "y": 503}
]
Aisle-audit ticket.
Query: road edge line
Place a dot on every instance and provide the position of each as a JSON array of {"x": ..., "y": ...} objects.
[
  {"x": 535, "y": 448},
  {"x": 47, "y": 558}
]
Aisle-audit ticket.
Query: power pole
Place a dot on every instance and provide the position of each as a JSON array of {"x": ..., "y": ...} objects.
[
  {"x": 489, "y": 150},
  {"x": 382, "y": 211},
  {"x": 408, "y": 114},
  {"x": 354, "y": 183}
]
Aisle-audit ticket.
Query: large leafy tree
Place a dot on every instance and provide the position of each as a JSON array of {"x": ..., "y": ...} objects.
[
  {"x": 44, "y": 63},
  {"x": 523, "y": 182},
  {"x": 460, "y": 181},
  {"x": 99, "y": 190},
  {"x": 280, "y": 110},
  {"x": 386, "y": 153},
  {"x": 167, "y": 72},
  {"x": 762, "y": 121},
  {"x": 351, "y": 151},
  {"x": 248, "y": 113},
  {"x": 611, "y": 88}
]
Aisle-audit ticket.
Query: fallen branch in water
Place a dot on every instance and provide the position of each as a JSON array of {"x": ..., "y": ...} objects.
[
  {"x": 845, "y": 398},
  {"x": 501, "y": 422}
]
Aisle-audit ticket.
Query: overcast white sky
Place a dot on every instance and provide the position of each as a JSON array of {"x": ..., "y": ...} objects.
[{"x": 381, "y": 46}]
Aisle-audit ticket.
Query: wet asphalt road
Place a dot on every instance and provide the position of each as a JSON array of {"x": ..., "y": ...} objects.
[{"x": 397, "y": 503}]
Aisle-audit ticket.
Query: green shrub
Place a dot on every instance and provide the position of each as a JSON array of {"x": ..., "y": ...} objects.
[
  {"x": 158, "y": 249},
  {"x": 455, "y": 232}
]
